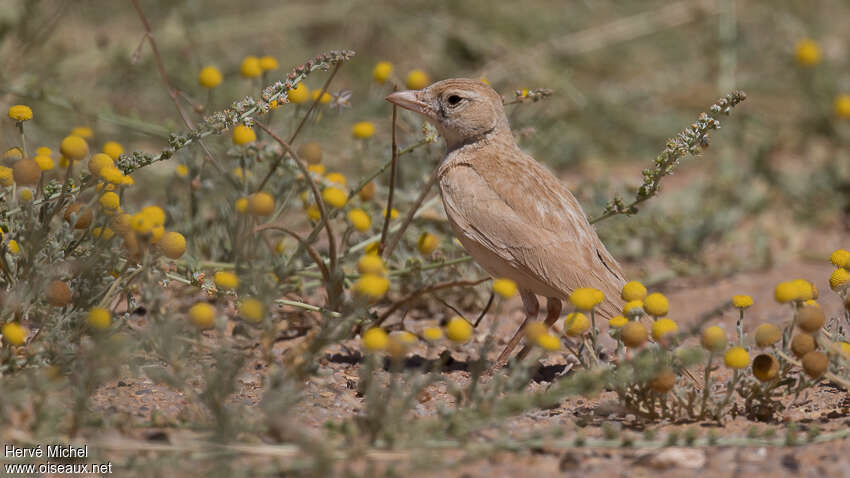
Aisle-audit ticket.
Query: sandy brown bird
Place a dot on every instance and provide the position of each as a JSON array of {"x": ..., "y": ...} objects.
[{"x": 512, "y": 215}]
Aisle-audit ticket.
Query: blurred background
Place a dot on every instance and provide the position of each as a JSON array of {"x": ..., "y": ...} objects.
[{"x": 625, "y": 77}]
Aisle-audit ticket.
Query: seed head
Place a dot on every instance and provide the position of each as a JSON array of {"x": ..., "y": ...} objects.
[
  {"x": 767, "y": 335},
  {"x": 802, "y": 344}
]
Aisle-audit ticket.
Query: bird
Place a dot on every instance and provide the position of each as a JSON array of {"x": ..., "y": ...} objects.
[{"x": 512, "y": 214}]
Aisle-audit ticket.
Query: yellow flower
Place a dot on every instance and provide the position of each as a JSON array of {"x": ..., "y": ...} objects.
[
  {"x": 113, "y": 149},
  {"x": 633, "y": 307},
  {"x": 241, "y": 205},
  {"x": 202, "y": 315},
  {"x": 840, "y": 258},
  {"x": 299, "y": 94},
  {"x": 713, "y": 339},
  {"x": 363, "y": 129},
  {"x": 251, "y": 67},
  {"x": 382, "y": 71},
  {"x": 371, "y": 264},
  {"x": 25, "y": 194},
  {"x": 101, "y": 232},
  {"x": 663, "y": 327},
  {"x": 845, "y": 349},
  {"x": 375, "y": 339},
  {"x": 458, "y": 330},
  {"x": 742, "y": 301},
  {"x": 14, "y": 334},
  {"x": 99, "y": 318},
  {"x": 155, "y": 214},
  {"x": 393, "y": 213},
  {"x": 633, "y": 290},
  {"x": 316, "y": 169},
  {"x": 6, "y": 177},
  {"x": 839, "y": 279},
  {"x": 786, "y": 292},
  {"x": 549, "y": 342},
  {"x": 417, "y": 79},
  {"x": 269, "y": 63},
  {"x": 805, "y": 290},
  {"x": 841, "y": 106},
  {"x": 209, "y": 77},
  {"x": 372, "y": 286},
  {"x": 360, "y": 220},
  {"x": 261, "y": 204},
  {"x": 110, "y": 200},
  {"x": 737, "y": 358},
  {"x": 372, "y": 249},
  {"x": 252, "y": 310},
  {"x": 576, "y": 324},
  {"x": 504, "y": 287},
  {"x": 484, "y": 80},
  {"x": 313, "y": 212},
  {"x": 656, "y": 304},
  {"x": 14, "y": 248},
  {"x": 326, "y": 97},
  {"x": 172, "y": 245},
  {"x": 141, "y": 223},
  {"x": 83, "y": 132},
  {"x": 99, "y": 162},
  {"x": 335, "y": 197},
  {"x": 226, "y": 280},
  {"x": 20, "y": 113},
  {"x": 336, "y": 178},
  {"x": 243, "y": 135},
  {"x": 427, "y": 243},
  {"x": 617, "y": 322},
  {"x": 586, "y": 298},
  {"x": 74, "y": 147},
  {"x": 435, "y": 333},
  {"x": 181, "y": 170},
  {"x": 156, "y": 234},
  {"x": 112, "y": 174},
  {"x": 13, "y": 154},
  {"x": 807, "y": 52}
]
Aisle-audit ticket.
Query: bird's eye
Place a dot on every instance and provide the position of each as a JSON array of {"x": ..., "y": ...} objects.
[{"x": 454, "y": 99}]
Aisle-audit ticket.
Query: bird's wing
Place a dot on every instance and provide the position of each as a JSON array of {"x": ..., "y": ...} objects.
[{"x": 517, "y": 209}]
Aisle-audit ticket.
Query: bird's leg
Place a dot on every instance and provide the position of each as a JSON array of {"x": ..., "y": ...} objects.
[
  {"x": 532, "y": 308},
  {"x": 553, "y": 311}
]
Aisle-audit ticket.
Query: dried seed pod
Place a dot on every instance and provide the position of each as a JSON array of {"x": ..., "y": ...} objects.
[
  {"x": 847, "y": 303},
  {"x": 815, "y": 364},
  {"x": 767, "y": 335},
  {"x": 810, "y": 318},
  {"x": 663, "y": 381},
  {"x": 311, "y": 152},
  {"x": 765, "y": 367},
  {"x": 58, "y": 294},
  {"x": 26, "y": 172},
  {"x": 83, "y": 216},
  {"x": 634, "y": 334},
  {"x": 802, "y": 344}
]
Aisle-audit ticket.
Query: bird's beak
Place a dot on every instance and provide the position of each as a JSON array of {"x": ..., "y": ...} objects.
[{"x": 410, "y": 100}]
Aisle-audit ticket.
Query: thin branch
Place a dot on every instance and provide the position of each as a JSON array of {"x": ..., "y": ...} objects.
[
  {"x": 389, "y": 212},
  {"x": 310, "y": 250},
  {"x": 410, "y": 215},
  {"x": 426, "y": 290}
]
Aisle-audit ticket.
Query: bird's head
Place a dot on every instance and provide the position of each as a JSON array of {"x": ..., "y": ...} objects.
[{"x": 462, "y": 110}]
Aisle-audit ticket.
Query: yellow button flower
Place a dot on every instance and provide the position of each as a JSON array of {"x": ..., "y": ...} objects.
[
  {"x": 841, "y": 106},
  {"x": 172, "y": 245},
  {"x": 74, "y": 147},
  {"x": 427, "y": 243},
  {"x": 382, "y": 71},
  {"x": 269, "y": 63},
  {"x": 807, "y": 52},
  {"x": 299, "y": 94},
  {"x": 586, "y": 298},
  {"x": 13, "y": 154},
  {"x": 209, "y": 77},
  {"x": 786, "y": 292},
  {"x": 326, "y": 97},
  {"x": 371, "y": 264},
  {"x": 181, "y": 171},
  {"x": 737, "y": 358},
  {"x": 155, "y": 214},
  {"x": 6, "y": 177},
  {"x": 363, "y": 129},
  {"x": 316, "y": 169},
  {"x": 839, "y": 279},
  {"x": 261, "y": 204},
  {"x": 252, "y": 310},
  {"x": 251, "y": 67},
  {"x": 371, "y": 286},
  {"x": 336, "y": 178},
  {"x": 840, "y": 258},
  {"x": 226, "y": 280},
  {"x": 617, "y": 322},
  {"x": 101, "y": 232},
  {"x": 241, "y": 205},
  {"x": 656, "y": 304},
  {"x": 243, "y": 135},
  {"x": 633, "y": 290},
  {"x": 20, "y": 113},
  {"x": 549, "y": 342},
  {"x": 713, "y": 339},
  {"x": 375, "y": 339},
  {"x": 14, "y": 333},
  {"x": 99, "y": 162},
  {"x": 313, "y": 212},
  {"x": 113, "y": 149},
  {"x": 742, "y": 301},
  {"x": 576, "y": 324},
  {"x": 633, "y": 307},
  {"x": 99, "y": 318},
  {"x": 435, "y": 333},
  {"x": 83, "y": 132},
  {"x": 14, "y": 248},
  {"x": 458, "y": 330},
  {"x": 662, "y": 328},
  {"x": 504, "y": 287},
  {"x": 334, "y": 197},
  {"x": 393, "y": 213},
  {"x": 417, "y": 79},
  {"x": 202, "y": 315},
  {"x": 110, "y": 200},
  {"x": 25, "y": 194},
  {"x": 360, "y": 220}
]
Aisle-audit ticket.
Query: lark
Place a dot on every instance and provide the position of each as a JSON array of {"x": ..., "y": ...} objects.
[{"x": 510, "y": 213}]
